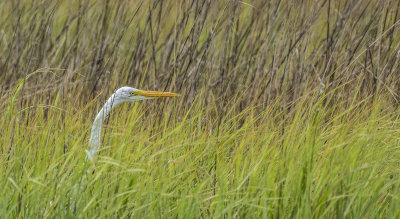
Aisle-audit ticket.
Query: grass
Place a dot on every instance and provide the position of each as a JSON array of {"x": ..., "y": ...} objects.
[{"x": 288, "y": 110}]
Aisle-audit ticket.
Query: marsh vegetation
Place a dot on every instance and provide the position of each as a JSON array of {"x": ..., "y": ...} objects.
[{"x": 289, "y": 109}]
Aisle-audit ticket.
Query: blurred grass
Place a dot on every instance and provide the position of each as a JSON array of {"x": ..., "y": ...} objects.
[{"x": 288, "y": 109}]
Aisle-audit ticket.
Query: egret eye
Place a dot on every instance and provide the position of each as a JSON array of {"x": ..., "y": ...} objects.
[{"x": 134, "y": 94}]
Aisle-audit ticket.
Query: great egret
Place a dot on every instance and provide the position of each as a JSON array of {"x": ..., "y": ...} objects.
[{"x": 123, "y": 94}]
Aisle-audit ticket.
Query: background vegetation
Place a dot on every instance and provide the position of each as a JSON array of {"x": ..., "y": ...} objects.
[{"x": 288, "y": 108}]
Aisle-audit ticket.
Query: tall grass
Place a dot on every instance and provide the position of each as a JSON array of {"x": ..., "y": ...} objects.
[{"x": 287, "y": 109}]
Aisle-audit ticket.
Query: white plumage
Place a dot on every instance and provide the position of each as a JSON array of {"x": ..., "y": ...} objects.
[{"x": 123, "y": 94}]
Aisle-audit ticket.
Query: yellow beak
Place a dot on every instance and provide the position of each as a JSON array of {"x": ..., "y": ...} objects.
[{"x": 156, "y": 94}]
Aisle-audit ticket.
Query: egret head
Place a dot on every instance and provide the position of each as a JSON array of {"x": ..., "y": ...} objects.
[
  {"x": 130, "y": 94},
  {"x": 123, "y": 94}
]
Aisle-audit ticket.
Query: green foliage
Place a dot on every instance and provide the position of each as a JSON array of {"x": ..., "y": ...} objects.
[
  {"x": 288, "y": 110},
  {"x": 310, "y": 164}
]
